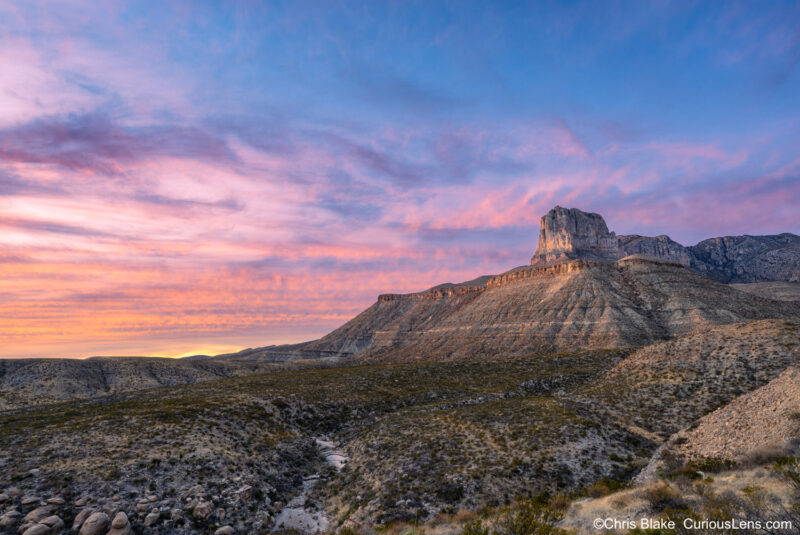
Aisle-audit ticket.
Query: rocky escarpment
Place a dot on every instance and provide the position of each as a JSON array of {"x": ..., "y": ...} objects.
[
  {"x": 748, "y": 258},
  {"x": 568, "y": 233},
  {"x": 576, "y": 305}
]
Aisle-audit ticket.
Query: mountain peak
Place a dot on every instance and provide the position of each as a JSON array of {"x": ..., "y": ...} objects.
[{"x": 569, "y": 233}]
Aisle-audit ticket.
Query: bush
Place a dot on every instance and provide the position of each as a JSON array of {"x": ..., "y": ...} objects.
[
  {"x": 476, "y": 527},
  {"x": 661, "y": 496},
  {"x": 598, "y": 490},
  {"x": 711, "y": 464},
  {"x": 528, "y": 518}
]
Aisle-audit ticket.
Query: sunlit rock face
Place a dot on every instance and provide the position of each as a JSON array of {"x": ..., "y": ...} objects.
[{"x": 568, "y": 234}]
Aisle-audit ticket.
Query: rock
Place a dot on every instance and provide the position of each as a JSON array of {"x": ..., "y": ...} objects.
[
  {"x": 151, "y": 519},
  {"x": 203, "y": 510},
  {"x": 56, "y": 500},
  {"x": 152, "y": 498},
  {"x": 120, "y": 520},
  {"x": 568, "y": 234},
  {"x": 225, "y": 530},
  {"x": 4, "y": 496},
  {"x": 245, "y": 494},
  {"x": 81, "y": 517},
  {"x": 39, "y": 513},
  {"x": 13, "y": 492},
  {"x": 745, "y": 259},
  {"x": 142, "y": 507},
  {"x": 37, "y": 529},
  {"x": 6, "y": 520},
  {"x": 97, "y": 524},
  {"x": 110, "y": 509},
  {"x": 29, "y": 500},
  {"x": 80, "y": 502},
  {"x": 55, "y": 524},
  {"x": 120, "y": 525},
  {"x": 176, "y": 514},
  {"x": 660, "y": 247}
]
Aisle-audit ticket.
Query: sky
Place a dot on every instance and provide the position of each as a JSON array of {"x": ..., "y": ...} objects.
[{"x": 200, "y": 177}]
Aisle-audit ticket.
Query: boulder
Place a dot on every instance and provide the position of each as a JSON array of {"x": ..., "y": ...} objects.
[
  {"x": 37, "y": 529},
  {"x": 81, "y": 517},
  {"x": 6, "y": 520},
  {"x": 39, "y": 513},
  {"x": 203, "y": 510},
  {"x": 245, "y": 494},
  {"x": 151, "y": 519},
  {"x": 225, "y": 530},
  {"x": 97, "y": 524},
  {"x": 120, "y": 525},
  {"x": 29, "y": 500},
  {"x": 55, "y": 524}
]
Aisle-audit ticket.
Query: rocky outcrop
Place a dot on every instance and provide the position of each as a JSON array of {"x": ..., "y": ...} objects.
[
  {"x": 748, "y": 258},
  {"x": 568, "y": 233},
  {"x": 97, "y": 524},
  {"x": 660, "y": 246}
]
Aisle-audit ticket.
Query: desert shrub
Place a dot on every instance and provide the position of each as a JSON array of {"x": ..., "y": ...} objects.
[
  {"x": 527, "y": 518},
  {"x": 788, "y": 468},
  {"x": 559, "y": 503},
  {"x": 598, "y": 490},
  {"x": 450, "y": 492},
  {"x": 661, "y": 496},
  {"x": 711, "y": 464},
  {"x": 476, "y": 527},
  {"x": 464, "y": 515},
  {"x": 685, "y": 472}
]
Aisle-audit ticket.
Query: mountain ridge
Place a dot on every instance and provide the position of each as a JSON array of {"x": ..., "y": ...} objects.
[{"x": 569, "y": 233}]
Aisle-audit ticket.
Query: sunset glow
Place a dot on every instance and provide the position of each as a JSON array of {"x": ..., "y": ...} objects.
[{"x": 186, "y": 177}]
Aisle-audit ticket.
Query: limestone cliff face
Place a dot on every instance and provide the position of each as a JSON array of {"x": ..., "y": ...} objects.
[
  {"x": 748, "y": 258},
  {"x": 568, "y": 234},
  {"x": 660, "y": 246}
]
